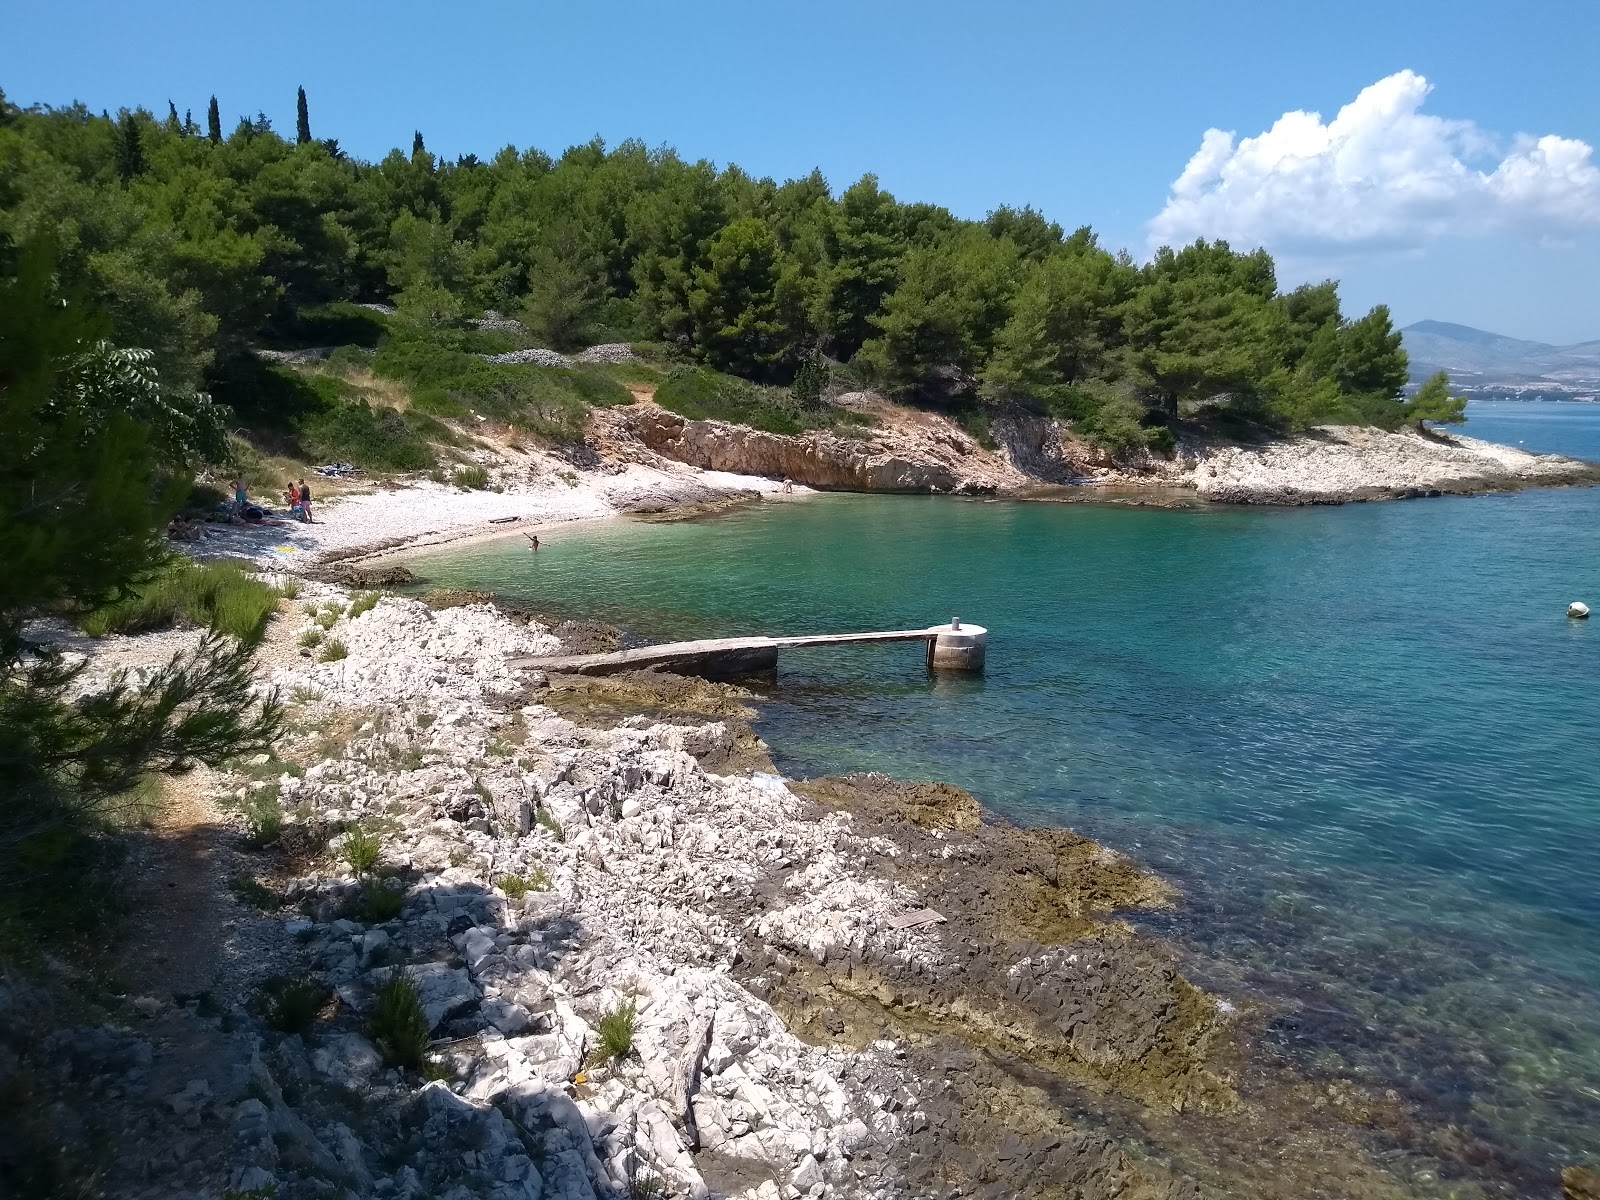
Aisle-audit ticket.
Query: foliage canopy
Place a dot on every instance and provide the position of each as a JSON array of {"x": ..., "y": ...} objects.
[{"x": 200, "y": 247}]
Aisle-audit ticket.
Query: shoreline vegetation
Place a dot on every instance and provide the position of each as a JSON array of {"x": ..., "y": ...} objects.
[{"x": 304, "y": 891}]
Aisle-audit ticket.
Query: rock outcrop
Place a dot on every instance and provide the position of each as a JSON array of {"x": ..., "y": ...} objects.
[
  {"x": 1338, "y": 464},
  {"x": 906, "y": 450},
  {"x": 909, "y": 452}
]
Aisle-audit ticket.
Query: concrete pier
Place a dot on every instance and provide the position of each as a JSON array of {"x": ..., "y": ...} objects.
[
  {"x": 953, "y": 647},
  {"x": 957, "y": 647}
]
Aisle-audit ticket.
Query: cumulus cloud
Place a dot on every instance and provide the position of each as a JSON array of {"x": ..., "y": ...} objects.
[{"x": 1381, "y": 174}]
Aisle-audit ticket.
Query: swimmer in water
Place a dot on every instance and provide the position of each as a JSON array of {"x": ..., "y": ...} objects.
[{"x": 533, "y": 541}]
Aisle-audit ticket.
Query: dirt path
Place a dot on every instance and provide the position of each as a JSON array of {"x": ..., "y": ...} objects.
[{"x": 185, "y": 933}]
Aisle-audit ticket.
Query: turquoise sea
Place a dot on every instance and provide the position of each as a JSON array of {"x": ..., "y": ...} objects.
[{"x": 1363, "y": 740}]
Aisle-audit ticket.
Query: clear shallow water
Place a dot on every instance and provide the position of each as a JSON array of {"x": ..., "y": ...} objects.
[{"x": 1362, "y": 739}]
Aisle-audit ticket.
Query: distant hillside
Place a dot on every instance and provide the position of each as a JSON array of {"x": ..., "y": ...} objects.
[{"x": 1488, "y": 364}]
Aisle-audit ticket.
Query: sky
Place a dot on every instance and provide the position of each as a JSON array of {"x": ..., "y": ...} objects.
[{"x": 1437, "y": 157}]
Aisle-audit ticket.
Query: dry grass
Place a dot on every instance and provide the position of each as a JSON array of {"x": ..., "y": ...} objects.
[{"x": 375, "y": 390}]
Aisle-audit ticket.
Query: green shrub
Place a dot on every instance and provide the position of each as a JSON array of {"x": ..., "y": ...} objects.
[
  {"x": 449, "y": 380},
  {"x": 536, "y": 879},
  {"x": 263, "y": 819},
  {"x": 615, "y": 1031},
  {"x": 546, "y": 818},
  {"x": 342, "y": 325},
  {"x": 437, "y": 402},
  {"x": 291, "y": 1005},
  {"x": 218, "y": 596},
  {"x": 397, "y": 1023},
  {"x": 370, "y": 437},
  {"x": 312, "y": 638},
  {"x": 428, "y": 427},
  {"x": 470, "y": 479},
  {"x": 625, "y": 373},
  {"x": 361, "y": 850},
  {"x": 380, "y": 901},
  {"x": 810, "y": 383},
  {"x": 364, "y": 602},
  {"x": 702, "y": 394},
  {"x": 333, "y": 651}
]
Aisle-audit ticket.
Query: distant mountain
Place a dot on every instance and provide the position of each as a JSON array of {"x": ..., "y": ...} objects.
[{"x": 1487, "y": 364}]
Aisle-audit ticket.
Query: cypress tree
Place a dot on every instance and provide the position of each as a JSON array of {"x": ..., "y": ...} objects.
[
  {"x": 130, "y": 148},
  {"x": 214, "y": 122},
  {"x": 189, "y": 127},
  {"x": 172, "y": 119},
  {"x": 302, "y": 120},
  {"x": 416, "y": 142}
]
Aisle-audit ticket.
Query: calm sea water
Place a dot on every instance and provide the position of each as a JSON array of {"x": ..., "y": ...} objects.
[{"x": 1362, "y": 739}]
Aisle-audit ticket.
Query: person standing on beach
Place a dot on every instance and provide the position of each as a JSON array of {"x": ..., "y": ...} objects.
[
  {"x": 241, "y": 495},
  {"x": 305, "y": 502}
]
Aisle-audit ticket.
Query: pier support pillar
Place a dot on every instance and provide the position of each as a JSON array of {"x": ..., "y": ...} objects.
[{"x": 958, "y": 647}]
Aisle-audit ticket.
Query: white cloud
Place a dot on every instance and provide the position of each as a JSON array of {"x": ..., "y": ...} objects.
[{"x": 1380, "y": 174}]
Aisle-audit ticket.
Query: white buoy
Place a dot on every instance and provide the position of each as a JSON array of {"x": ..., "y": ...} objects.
[{"x": 1578, "y": 610}]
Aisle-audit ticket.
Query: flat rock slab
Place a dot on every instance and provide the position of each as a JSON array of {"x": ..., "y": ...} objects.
[{"x": 923, "y": 916}]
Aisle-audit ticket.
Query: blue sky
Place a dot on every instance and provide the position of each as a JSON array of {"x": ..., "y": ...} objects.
[{"x": 1422, "y": 197}]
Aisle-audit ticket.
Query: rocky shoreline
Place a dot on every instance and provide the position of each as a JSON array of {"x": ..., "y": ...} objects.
[
  {"x": 842, "y": 988},
  {"x": 912, "y": 451}
]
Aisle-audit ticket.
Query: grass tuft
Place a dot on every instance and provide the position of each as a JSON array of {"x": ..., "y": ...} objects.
[
  {"x": 263, "y": 819},
  {"x": 380, "y": 901},
  {"x": 535, "y": 879},
  {"x": 218, "y": 596},
  {"x": 289, "y": 588},
  {"x": 397, "y": 1023},
  {"x": 312, "y": 638},
  {"x": 291, "y": 1005},
  {"x": 361, "y": 850},
  {"x": 333, "y": 651},
  {"x": 364, "y": 602},
  {"x": 249, "y": 890},
  {"x": 470, "y": 479},
  {"x": 545, "y": 818},
  {"x": 615, "y": 1030}
]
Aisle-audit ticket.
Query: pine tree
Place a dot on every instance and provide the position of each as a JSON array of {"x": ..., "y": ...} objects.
[
  {"x": 130, "y": 148},
  {"x": 214, "y": 122},
  {"x": 1433, "y": 402},
  {"x": 416, "y": 143},
  {"x": 302, "y": 120},
  {"x": 172, "y": 119},
  {"x": 94, "y": 455}
]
